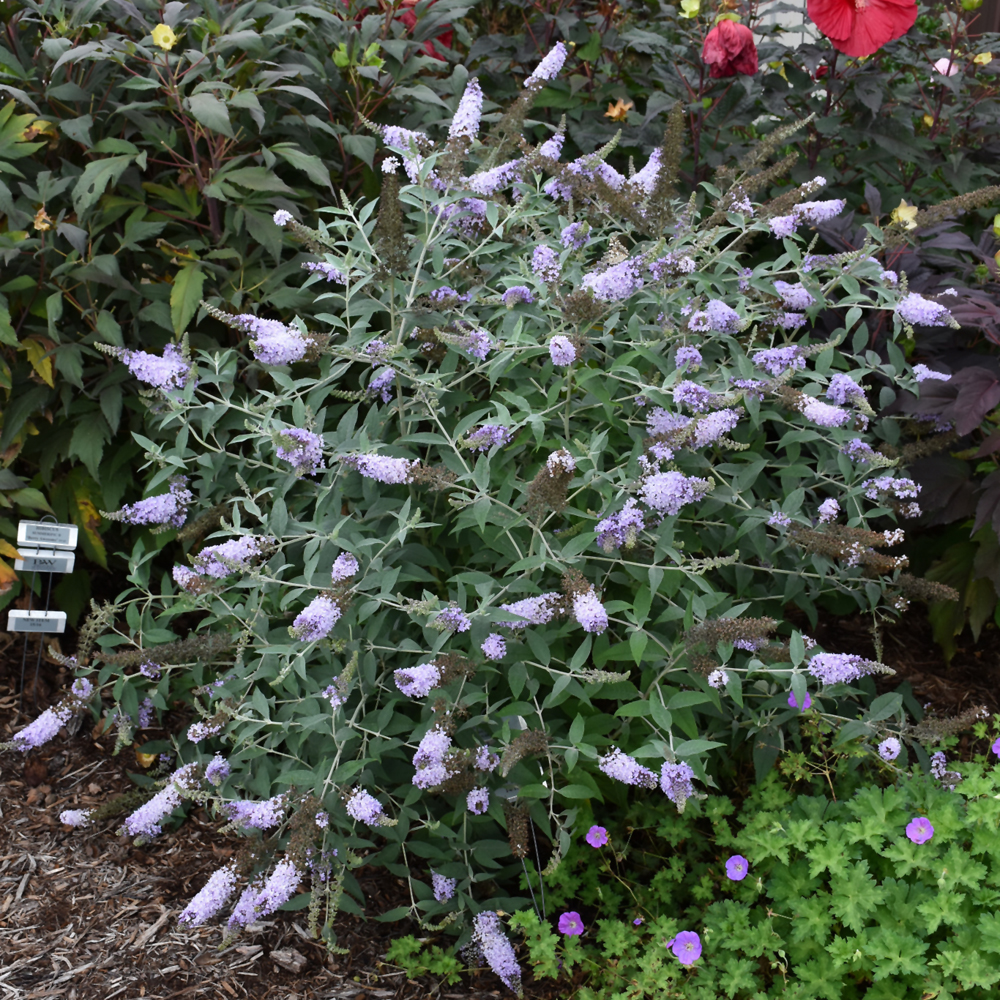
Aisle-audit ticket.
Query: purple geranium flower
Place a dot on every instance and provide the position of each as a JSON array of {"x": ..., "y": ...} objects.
[
  {"x": 919, "y": 830},
  {"x": 571, "y": 924},
  {"x": 794, "y": 704},
  {"x": 597, "y": 836},
  {"x": 737, "y": 867},
  {"x": 996, "y": 747},
  {"x": 686, "y": 946}
]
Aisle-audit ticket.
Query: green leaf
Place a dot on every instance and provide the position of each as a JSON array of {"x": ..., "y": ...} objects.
[
  {"x": 855, "y": 895},
  {"x": 210, "y": 112},
  {"x": 96, "y": 176},
  {"x": 689, "y": 748},
  {"x": 185, "y": 295},
  {"x": 254, "y": 179}
]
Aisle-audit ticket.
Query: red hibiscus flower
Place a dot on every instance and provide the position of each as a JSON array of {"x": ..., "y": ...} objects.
[
  {"x": 729, "y": 49},
  {"x": 861, "y": 27},
  {"x": 445, "y": 37}
]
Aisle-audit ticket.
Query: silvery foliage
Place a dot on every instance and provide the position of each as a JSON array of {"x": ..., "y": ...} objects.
[{"x": 479, "y": 529}]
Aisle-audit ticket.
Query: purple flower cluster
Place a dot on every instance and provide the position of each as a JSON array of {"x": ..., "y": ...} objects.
[
  {"x": 790, "y": 320},
  {"x": 217, "y": 770},
  {"x": 717, "y": 679},
  {"x": 621, "y": 529},
  {"x": 75, "y": 817},
  {"x": 236, "y": 555},
  {"x": 364, "y": 808},
  {"x": 626, "y": 769},
  {"x": 149, "y": 669},
  {"x": 615, "y": 283},
  {"x": 889, "y": 748},
  {"x": 257, "y": 815},
  {"x": 167, "y": 508},
  {"x": 671, "y": 264},
  {"x": 537, "y": 610},
  {"x": 145, "y": 718},
  {"x": 675, "y": 781},
  {"x": 545, "y": 264},
  {"x": 710, "y": 428},
  {"x": 465, "y": 122},
  {"x": 478, "y": 801},
  {"x": 813, "y": 212},
  {"x": 271, "y": 341},
  {"x": 302, "y": 449},
  {"x": 823, "y": 413},
  {"x": 487, "y": 436},
  {"x": 381, "y": 468},
  {"x": 446, "y": 295},
  {"x": 575, "y": 235},
  {"x": 695, "y": 397},
  {"x": 687, "y": 357},
  {"x": 858, "y": 451},
  {"x": 344, "y": 567},
  {"x": 922, "y": 373},
  {"x": 843, "y": 390},
  {"x": 444, "y": 887},
  {"x": 418, "y": 681},
  {"x": 42, "y": 729},
  {"x": 493, "y": 944},
  {"x": 589, "y": 612},
  {"x": 775, "y": 360},
  {"x": 917, "y": 310},
  {"x": 199, "y": 731},
  {"x": 329, "y": 271},
  {"x": 278, "y": 889},
  {"x": 317, "y": 619},
  {"x": 829, "y": 509},
  {"x": 794, "y": 296},
  {"x": 478, "y": 344},
  {"x": 211, "y": 898},
  {"x": 902, "y": 489},
  {"x": 516, "y": 294},
  {"x": 494, "y": 647},
  {"x": 453, "y": 619},
  {"x": 717, "y": 317},
  {"x": 380, "y": 382},
  {"x": 667, "y": 492},
  {"x": 779, "y": 520},
  {"x": 549, "y": 67},
  {"x": 561, "y": 350},
  {"x": 431, "y": 769},
  {"x": 486, "y": 759},
  {"x": 939, "y": 764},
  {"x": 836, "y": 668},
  {"x": 146, "y": 820},
  {"x": 282, "y": 217},
  {"x": 495, "y": 179},
  {"x": 169, "y": 372}
]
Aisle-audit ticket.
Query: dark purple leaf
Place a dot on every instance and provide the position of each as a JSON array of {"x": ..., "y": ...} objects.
[
  {"x": 988, "y": 508},
  {"x": 947, "y": 493},
  {"x": 989, "y": 446},
  {"x": 979, "y": 394}
]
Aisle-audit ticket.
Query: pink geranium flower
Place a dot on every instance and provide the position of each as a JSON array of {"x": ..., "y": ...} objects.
[{"x": 571, "y": 924}]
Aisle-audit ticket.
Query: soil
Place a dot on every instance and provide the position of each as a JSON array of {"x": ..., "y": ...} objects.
[{"x": 86, "y": 915}]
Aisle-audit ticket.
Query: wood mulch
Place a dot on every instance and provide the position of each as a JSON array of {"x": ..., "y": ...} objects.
[{"x": 86, "y": 915}]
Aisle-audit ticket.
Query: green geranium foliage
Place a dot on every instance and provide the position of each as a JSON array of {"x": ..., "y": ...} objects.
[
  {"x": 509, "y": 527},
  {"x": 788, "y": 894}
]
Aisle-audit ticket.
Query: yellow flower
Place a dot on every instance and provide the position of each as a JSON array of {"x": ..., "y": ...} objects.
[
  {"x": 906, "y": 214},
  {"x": 983, "y": 59},
  {"x": 164, "y": 37},
  {"x": 929, "y": 121},
  {"x": 618, "y": 112},
  {"x": 690, "y": 8},
  {"x": 43, "y": 221}
]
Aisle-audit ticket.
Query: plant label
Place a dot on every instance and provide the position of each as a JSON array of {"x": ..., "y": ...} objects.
[
  {"x": 45, "y": 561},
  {"x": 53, "y": 536},
  {"x": 36, "y": 621}
]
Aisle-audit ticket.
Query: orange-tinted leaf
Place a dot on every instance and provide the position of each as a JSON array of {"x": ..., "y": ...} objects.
[
  {"x": 7, "y": 577},
  {"x": 6, "y": 549},
  {"x": 37, "y": 355},
  {"x": 88, "y": 521}
]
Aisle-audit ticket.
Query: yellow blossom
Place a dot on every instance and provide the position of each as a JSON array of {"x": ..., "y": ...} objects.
[
  {"x": 929, "y": 121},
  {"x": 164, "y": 37},
  {"x": 618, "y": 111},
  {"x": 906, "y": 214},
  {"x": 42, "y": 220},
  {"x": 983, "y": 59}
]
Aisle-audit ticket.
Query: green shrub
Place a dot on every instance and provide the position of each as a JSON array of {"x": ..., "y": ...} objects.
[{"x": 480, "y": 566}]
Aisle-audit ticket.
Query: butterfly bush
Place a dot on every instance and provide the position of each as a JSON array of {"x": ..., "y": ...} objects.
[{"x": 548, "y": 539}]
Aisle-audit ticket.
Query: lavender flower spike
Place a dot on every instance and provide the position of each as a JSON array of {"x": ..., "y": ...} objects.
[
  {"x": 211, "y": 898},
  {"x": 146, "y": 820},
  {"x": 626, "y": 769},
  {"x": 589, "y": 612},
  {"x": 42, "y": 729},
  {"x": 465, "y": 123},
  {"x": 549, "y": 67},
  {"x": 316, "y": 621},
  {"x": 365, "y": 808},
  {"x": 169, "y": 372},
  {"x": 75, "y": 817},
  {"x": 279, "y": 888},
  {"x": 444, "y": 887},
  {"x": 166, "y": 509},
  {"x": 302, "y": 449},
  {"x": 496, "y": 949},
  {"x": 344, "y": 567}
]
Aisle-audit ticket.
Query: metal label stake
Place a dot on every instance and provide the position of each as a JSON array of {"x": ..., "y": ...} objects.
[{"x": 57, "y": 556}]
